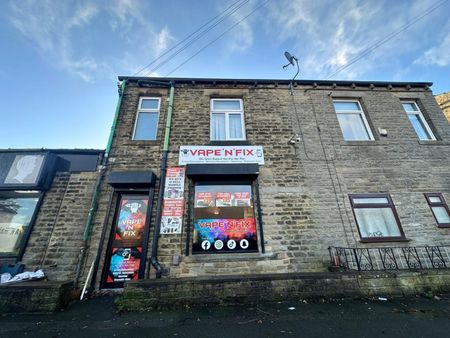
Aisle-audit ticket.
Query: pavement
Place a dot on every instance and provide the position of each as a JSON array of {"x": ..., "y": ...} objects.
[{"x": 370, "y": 317}]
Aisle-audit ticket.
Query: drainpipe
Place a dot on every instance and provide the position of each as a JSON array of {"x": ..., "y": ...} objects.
[
  {"x": 162, "y": 179},
  {"x": 95, "y": 193}
]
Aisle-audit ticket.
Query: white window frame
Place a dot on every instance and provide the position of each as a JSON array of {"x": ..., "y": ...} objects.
[
  {"x": 359, "y": 112},
  {"x": 418, "y": 112},
  {"x": 227, "y": 113},
  {"x": 143, "y": 110}
]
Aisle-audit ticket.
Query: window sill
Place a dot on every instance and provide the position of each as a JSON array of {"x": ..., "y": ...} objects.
[
  {"x": 386, "y": 239},
  {"x": 433, "y": 143},
  {"x": 444, "y": 226},
  {"x": 360, "y": 143},
  {"x": 229, "y": 143},
  {"x": 253, "y": 256}
]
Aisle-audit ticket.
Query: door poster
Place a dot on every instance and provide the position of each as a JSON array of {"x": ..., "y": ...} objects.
[
  {"x": 124, "y": 257},
  {"x": 173, "y": 204}
]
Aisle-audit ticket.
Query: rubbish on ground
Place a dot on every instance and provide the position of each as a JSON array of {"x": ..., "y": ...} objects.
[
  {"x": 382, "y": 298},
  {"x": 291, "y": 308},
  {"x": 22, "y": 277}
]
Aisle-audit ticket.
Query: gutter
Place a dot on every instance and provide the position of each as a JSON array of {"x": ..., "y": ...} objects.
[
  {"x": 154, "y": 257},
  {"x": 96, "y": 191}
]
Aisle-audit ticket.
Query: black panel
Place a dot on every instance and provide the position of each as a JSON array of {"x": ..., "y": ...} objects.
[
  {"x": 230, "y": 171},
  {"x": 126, "y": 179},
  {"x": 77, "y": 162}
]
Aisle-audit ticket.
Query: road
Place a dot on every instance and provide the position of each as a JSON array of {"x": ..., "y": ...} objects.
[{"x": 398, "y": 317}]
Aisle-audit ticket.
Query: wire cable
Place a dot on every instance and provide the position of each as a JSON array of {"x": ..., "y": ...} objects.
[
  {"x": 186, "y": 38},
  {"x": 213, "y": 41},
  {"x": 387, "y": 38},
  {"x": 194, "y": 36}
]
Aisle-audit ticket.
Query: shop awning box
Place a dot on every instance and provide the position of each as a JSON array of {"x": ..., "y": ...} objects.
[
  {"x": 233, "y": 171},
  {"x": 132, "y": 179}
]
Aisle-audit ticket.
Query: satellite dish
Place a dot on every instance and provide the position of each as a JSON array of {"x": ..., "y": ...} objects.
[{"x": 290, "y": 58}]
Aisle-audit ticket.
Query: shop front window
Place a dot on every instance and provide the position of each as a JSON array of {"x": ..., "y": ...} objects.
[
  {"x": 16, "y": 214},
  {"x": 224, "y": 219}
]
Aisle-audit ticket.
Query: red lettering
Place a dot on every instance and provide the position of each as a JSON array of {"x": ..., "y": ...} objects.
[
  {"x": 193, "y": 152},
  {"x": 209, "y": 152},
  {"x": 238, "y": 151},
  {"x": 201, "y": 152},
  {"x": 228, "y": 152},
  {"x": 217, "y": 152},
  {"x": 249, "y": 152}
]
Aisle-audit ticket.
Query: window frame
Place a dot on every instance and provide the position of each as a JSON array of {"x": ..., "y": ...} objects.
[
  {"x": 390, "y": 205},
  {"x": 24, "y": 242},
  {"x": 443, "y": 204},
  {"x": 361, "y": 112},
  {"x": 422, "y": 119},
  {"x": 146, "y": 110},
  {"x": 227, "y": 113}
]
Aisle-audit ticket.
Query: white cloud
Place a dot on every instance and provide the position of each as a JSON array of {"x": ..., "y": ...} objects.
[
  {"x": 163, "y": 39},
  {"x": 327, "y": 35},
  {"x": 438, "y": 55},
  {"x": 83, "y": 15}
]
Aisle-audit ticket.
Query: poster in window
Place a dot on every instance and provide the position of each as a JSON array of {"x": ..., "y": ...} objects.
[
  {"x": 173, "y": 203},
  {"x": 204, "y": 200},
  {"x": 223, "y": 199},
  {"x": 124, "y": 265},
  {"x": 242, "y": 199},
  {"x": 225, "y": 235},
  {"x": 123, "y": 262},
  {"x": 25, "y": 169},
  {"x": 131, "y": 223}
]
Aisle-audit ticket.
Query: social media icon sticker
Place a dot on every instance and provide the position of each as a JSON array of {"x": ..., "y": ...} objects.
[
  {"x": 231, "y": 244},
  {"x": 206, "y": 245},
  {"x": 244, "y": 244},
  {"x": 218, "y": 244}
]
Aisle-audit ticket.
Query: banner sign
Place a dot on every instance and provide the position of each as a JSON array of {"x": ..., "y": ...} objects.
[
  {"x": 229, "y": 235},
  {"x": 126, "y": 248},
  {"x": 173, "y": 204},
  {"x": 213, "y": 154}
]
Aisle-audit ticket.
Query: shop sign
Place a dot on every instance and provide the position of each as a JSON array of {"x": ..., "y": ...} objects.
[
  {"x": 173, "y": 203},
  {"x": 125, "y": 254},
  {"x": 217, "y": 154}
]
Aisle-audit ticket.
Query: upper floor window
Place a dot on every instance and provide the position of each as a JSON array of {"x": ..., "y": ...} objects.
[
  {"x": 147, "y": 117},
  {"x": 227, "y": 120},
  {"x": 418, "y": 122},
  {"x": 376, "y": 217},
  {"x": 352, "y": 120},
  {"x": 440, "y": 209}
]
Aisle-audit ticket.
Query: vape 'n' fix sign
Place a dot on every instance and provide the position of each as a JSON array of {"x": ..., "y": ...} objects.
[{"x": 212, "y": 154}]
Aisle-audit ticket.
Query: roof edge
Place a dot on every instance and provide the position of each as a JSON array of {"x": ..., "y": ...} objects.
[{"x": 277, "y": 81}]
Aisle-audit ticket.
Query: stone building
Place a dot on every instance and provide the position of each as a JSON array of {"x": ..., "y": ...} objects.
[
  {"x": 444, "y": 101},
  {"x": 214, "y": 189},
  {"x": 261, "y": 181}
]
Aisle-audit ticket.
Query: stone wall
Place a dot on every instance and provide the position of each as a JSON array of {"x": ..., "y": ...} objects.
[
  {"x": 304, "y": 187},
  {"x": 444, "y": 102},
  {"x": 57, "y": 235}
]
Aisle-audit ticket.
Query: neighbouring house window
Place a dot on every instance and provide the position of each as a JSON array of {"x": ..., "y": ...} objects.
[
  {"x": 227, "y": 120},
  {"x": 352, "y": 120},
  {"x": 417, "y": 120},
  {"x": 224, "y": 218},
  {"x": 147, "y": 116},
  {"x": 16, "y": 214},
  {"x": 440, "y": 209},
  {"x": 376, "y": 217}
]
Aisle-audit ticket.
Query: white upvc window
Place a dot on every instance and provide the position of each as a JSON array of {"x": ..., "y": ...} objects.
[
  {"x": 352, "y": 120},
  {"x": 147, "y": 117},
  {"x": 417, "y": 120},
  {"x": 227, "y": 120}
]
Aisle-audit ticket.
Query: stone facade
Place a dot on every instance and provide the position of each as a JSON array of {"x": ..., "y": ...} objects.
[
  {"x": 444, "y": 101},
  {"x": 304, "y": 187}
]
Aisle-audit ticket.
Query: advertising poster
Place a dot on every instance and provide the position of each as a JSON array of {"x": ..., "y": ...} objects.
[
  {"x": 225, "y": 235},
  {"x": 131, "y": 223},
  {"x": 25, "y": 169},
  {"x": 124, "y": 265},
  {"x": 204, "y": 200},
  {"x": 223, "y": 199},
  {"x": 242, "y": 199},
  {"x": 124, "y": 256},
  {"x": 173, "y": 204}
]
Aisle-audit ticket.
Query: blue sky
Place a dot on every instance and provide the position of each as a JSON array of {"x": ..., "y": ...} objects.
[{"x": 61, "y": 59}]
